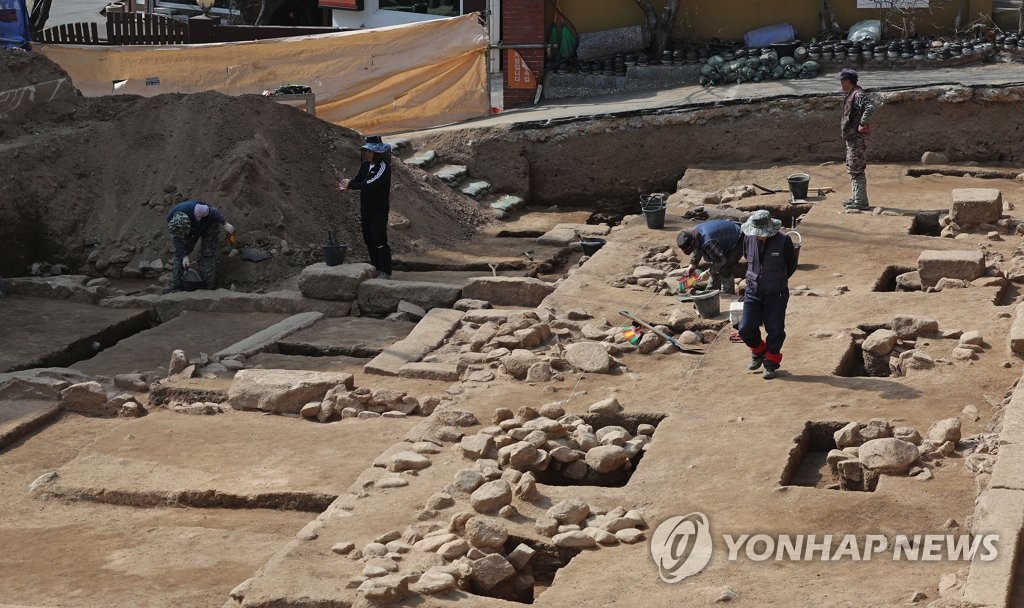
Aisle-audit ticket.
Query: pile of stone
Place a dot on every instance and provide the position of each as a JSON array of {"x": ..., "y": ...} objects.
[
  {"x": 478, "y": 554},
  {"x": 866, "y": 450},
  {"x": 657, "y": 271},
  {"x": 363, "y": 403},
  {"x": 550, "y": 442},
  {"x": 91, "y": 399},
  {"x": 938, "y": 270},
  {"x": 202, "y": 366},
  {"x": 893, "y": 351},
  {"x": 71, "y": 287},
  {"x": 977, "y": 210}
]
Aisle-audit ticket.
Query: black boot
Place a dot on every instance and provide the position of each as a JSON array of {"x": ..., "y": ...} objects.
[
  {"x": 755, "y": 362},
  {"x": 769, "y": 370}
]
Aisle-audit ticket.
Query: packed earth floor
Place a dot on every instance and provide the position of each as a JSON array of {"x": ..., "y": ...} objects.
[{"x": 479, "y": 431}]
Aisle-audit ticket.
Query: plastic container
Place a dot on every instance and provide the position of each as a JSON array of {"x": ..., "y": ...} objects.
[
  {"x": 735, "y": 313},
  {"x": 654, "y": 211},
  {"x": 708, "y": 304},
  {"x": 591, "y": 245},
  {"x": 797, "y": 243},
  {"x": 192, "y": 280},
  {"x": 798, "y": 184},
  {"x": 334, "y": 254},
  {"x": 768, "y": 35}
]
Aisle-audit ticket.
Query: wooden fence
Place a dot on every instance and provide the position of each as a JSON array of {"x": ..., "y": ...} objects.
[
  {"x": 142, "y": 28},
  {"x": 71, "y": 33}
]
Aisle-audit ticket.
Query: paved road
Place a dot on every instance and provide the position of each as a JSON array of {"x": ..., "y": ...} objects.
[
  {"x": 564, "y": 109},
  {"x": 72, "y": 11}
]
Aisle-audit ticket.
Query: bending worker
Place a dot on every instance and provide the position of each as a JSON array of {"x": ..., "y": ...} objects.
[
  {"x": 188, "y": 222},
  {"x": 771, "y": 260},
  {"x": 374, "y": 184},
  {"x": 720, "y": 243}
]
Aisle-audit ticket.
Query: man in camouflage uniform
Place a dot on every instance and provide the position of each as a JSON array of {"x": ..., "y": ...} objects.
[
  {"x": 857, "y": 112},
  {"x": 189, "y": 223}
]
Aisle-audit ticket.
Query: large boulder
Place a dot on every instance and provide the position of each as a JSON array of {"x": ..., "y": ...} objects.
[
  {"x": 590, "y": 357},
  {"x": 491, "y": 496},
  {"x": 945, "y": 430},
  {"x": 85, "y": 398},
  {"x": 933, "y": 265},
  {"x": 43, "y": 383},
  {"x": 282, "y": 391},
  {"x": 379, "y": 297},
  {"x": 910, "y": 327},
  {"x": 323, "y": 282},
  {"x": 880, "y": 342},
  {"x": 508, "y": 291},
  {"x": 975, "y": 205},
  {"x": 888, "y": 455}
]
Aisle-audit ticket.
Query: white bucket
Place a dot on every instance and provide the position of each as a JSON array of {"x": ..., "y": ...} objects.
[{"x": 735, "y": 312}]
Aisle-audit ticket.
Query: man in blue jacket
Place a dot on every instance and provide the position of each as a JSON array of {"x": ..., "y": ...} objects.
[
  {"x": 771, "y": 260},
  {"x": 188, "y": 222},
  {"x": 374, "y": 184},
  {"x": 719, "y": 242}
]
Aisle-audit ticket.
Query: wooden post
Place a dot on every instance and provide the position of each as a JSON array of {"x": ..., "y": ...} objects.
[{"x": 201, "y": 29}]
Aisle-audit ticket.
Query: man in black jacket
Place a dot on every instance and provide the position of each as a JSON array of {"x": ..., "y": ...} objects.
[
  {"x": 771, "y": 260},
  {"x": 374, "y": 184}
]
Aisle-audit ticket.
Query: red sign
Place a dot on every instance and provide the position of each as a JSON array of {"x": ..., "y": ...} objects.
[
  {"x": 518, "y": 75},
  {"x": 345, "y": 5}
]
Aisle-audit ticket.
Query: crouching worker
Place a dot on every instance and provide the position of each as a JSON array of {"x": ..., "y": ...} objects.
[
  {"x": 720, "y": 243},
  {"x": 189, "y": 222},
  {"x": 771, "y": 260}
]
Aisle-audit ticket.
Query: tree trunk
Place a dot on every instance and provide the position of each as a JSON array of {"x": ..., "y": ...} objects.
[
  {"x": 659, "y": 28},
  {"x": 829, "y": 23},
  {"x": 1020, "y": 18}
]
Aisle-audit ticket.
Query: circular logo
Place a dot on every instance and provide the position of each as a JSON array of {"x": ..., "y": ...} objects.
[{"x": 681, "y": 546}]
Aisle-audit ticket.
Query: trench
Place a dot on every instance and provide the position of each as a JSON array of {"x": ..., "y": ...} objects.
[
  {"x": 540, "y": 571},
  {"x": 89, "y": 346}
]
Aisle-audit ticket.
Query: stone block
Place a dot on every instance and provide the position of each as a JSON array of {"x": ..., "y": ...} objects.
[
  {"x": 999, "y": 512},
  {"x": 508, "y": 291},
  {"x": 1017, "y": 331},
  {"x": 282, "y": 391},
  {"x": 323, "y": 282},
  {"x": 933, "y": 265},
  {"x": 447, "y": 372},
  {"x": 975, "y": 206},
  {"x": 428, "y": 334},
  {"x": 379, "y": 297}
]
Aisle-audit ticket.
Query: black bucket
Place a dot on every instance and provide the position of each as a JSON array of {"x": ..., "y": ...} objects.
[
  {"x": 334, "y": 255},
  {"x": 591, "y": 245},
  {"x": 798, "y": 183},
  {"x": 191, "y": 280},
  {"x": 654, "y": 211}
]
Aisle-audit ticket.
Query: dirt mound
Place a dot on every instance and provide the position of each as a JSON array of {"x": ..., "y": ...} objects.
[
  {"x": 91, "y": 187},
  {"x": 19, "y": 69}
]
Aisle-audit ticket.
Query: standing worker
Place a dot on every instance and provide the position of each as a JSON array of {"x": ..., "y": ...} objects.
[
  {"x": 374, "y": 184},
  {"x": 720, "y": 243},
  {"x": 857, "y": 112},
  {"x": 771, "y": 260},
  {"x": 188, "y": 222}
]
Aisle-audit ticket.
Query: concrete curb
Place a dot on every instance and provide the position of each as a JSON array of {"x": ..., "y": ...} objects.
[{"x": 1000, "y": 510}]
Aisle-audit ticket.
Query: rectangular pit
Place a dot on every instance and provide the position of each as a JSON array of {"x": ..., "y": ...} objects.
[
  {"x": 887, "y": 281},
  {"x": 541, "y": 568},
  {"x": 806, "y": 465},
  {"x": 553, "y": 475}
]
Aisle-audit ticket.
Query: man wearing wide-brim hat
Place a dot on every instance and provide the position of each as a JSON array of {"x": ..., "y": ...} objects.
[{"x": 771, "y": 260}]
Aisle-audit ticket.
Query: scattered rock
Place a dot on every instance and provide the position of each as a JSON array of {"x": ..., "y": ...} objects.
[
  {"x": 576, "y": 540},
  {"x": 491, "y": 496},
  {"x": 945, "y": 430},
  {"x": 590, "y": 357},
  {"x": 407, "y": 461},
  {"x": 888, "y": 455},
  {"x": 486, "y": 533},
  {"x": 606, "y": 406}
]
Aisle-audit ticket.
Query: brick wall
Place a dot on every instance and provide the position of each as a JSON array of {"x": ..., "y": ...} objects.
[{"x": 522, "y": 22}]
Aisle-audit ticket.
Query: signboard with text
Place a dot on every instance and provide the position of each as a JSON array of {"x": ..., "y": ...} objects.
[{"x": 518, "y": 75}]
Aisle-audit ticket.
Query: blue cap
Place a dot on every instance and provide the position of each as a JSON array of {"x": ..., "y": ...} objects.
[{"x": 848, "y": 74}]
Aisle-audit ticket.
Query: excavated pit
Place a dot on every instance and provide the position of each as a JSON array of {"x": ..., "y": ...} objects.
[
  {"x": 887, "y": 280},
  {"x": 542, "y": 568},
  {"x": 553, "y": 475},
  {"x": 806, "y": 465}
]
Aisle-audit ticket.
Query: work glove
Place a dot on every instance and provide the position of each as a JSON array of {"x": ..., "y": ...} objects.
[
  {"x": 864, "y": 129},
  {"x": 184, "y": 262},
  {"x": 229, "y": 228},
  {"x": 689, "y": 269}
]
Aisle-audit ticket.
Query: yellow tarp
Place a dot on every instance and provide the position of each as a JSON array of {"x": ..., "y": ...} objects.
[{"x": 386, "y": 80}]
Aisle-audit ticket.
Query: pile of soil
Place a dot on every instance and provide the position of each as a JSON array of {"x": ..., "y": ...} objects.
[{"x": 89, "y": 183}]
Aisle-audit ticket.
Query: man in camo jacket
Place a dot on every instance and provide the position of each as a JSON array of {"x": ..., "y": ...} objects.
[{"x": 857, "y": 112}]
